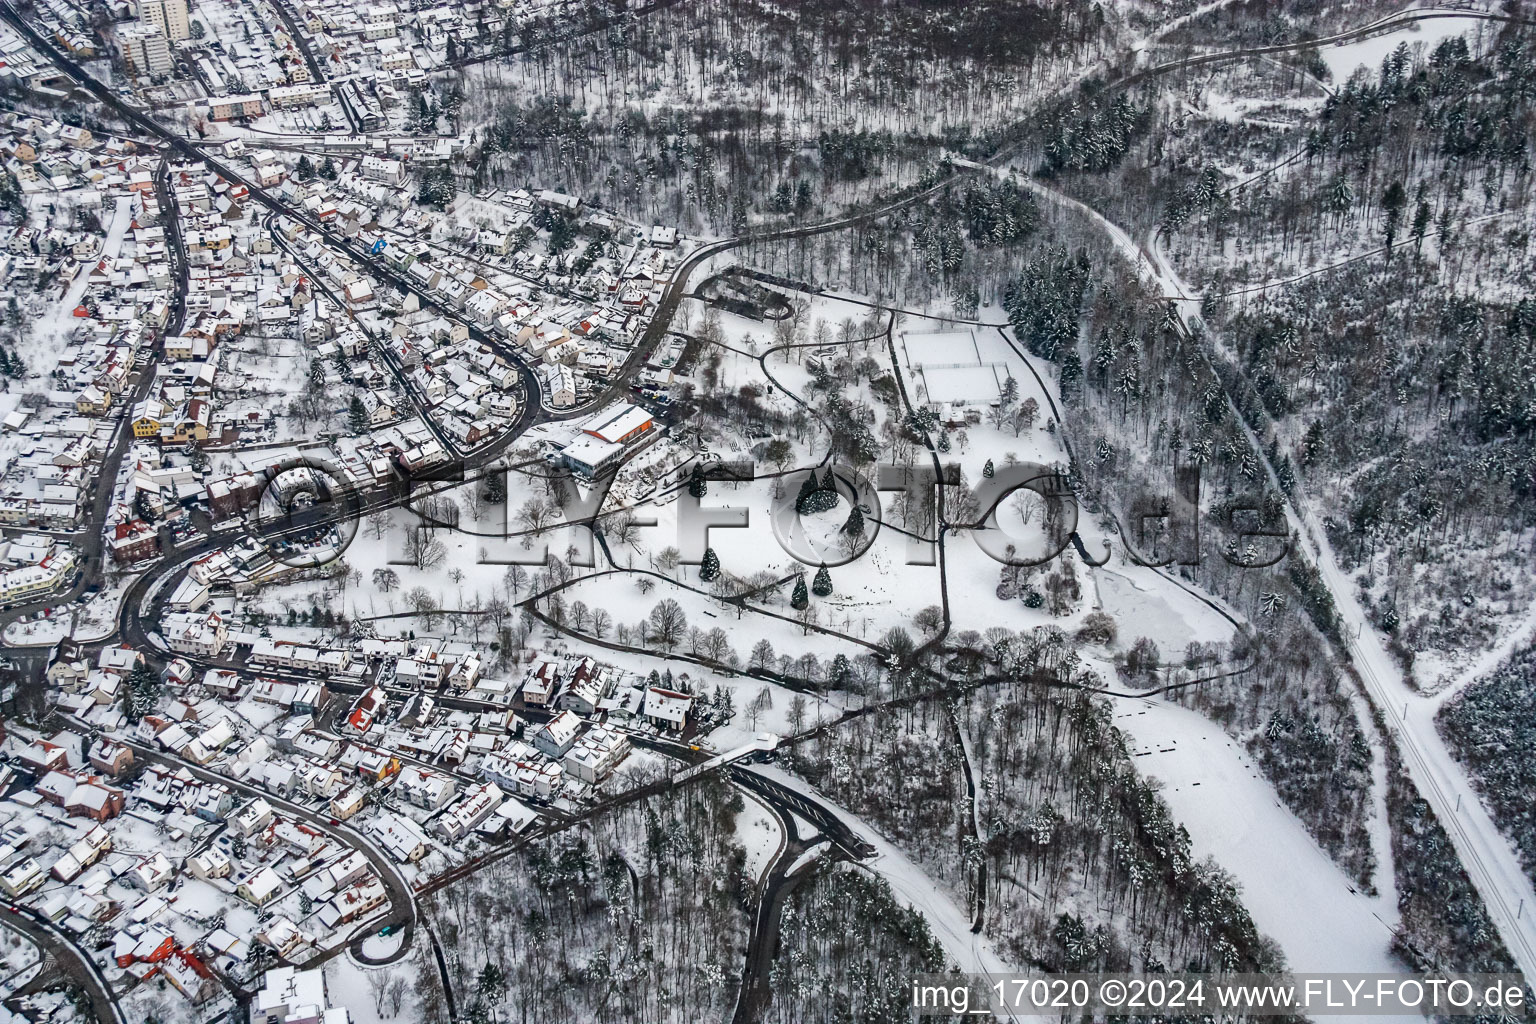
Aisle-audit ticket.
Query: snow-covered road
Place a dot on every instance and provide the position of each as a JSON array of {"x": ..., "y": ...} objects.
[
  {"x": 972, "y": 953},
  {"x": 1488, "y": 856}
]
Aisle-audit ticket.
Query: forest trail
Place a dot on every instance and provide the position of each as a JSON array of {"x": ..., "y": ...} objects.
[
  {"x": 1487, "y": 855},
  {"x": 1492, "y": 658}
]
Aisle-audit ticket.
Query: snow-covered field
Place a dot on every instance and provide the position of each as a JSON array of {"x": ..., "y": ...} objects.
[
  {"x": 759, "y": 833},
  {"x": 1296, "y": 894},
  {"x": 1344, "y": 58}
]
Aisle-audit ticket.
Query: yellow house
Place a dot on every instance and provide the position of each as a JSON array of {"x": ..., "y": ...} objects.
[
  {"x": 93, "y": 401},
  {"x": 186, "y": 346},
  {"x": 260, "y": 887},
  {"x": 147, "y": 417},
  {"x": 193, "y": 425},
  {"x": 347, "y": 803},
  {"x": 211, "y": 240}
]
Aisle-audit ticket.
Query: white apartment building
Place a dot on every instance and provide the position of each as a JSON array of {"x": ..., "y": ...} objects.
[
  {"x": 596, "y": 754},
  {"x": 145, "y": 49},
  {"x": 169, "y": 16}
]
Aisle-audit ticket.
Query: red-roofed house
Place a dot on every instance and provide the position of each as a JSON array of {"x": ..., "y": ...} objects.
[
  {"x": 368, "y": 708},
  {"x": 153, "y": 947},
  {"x": 42, "y": 757},
  {"x": 133, "y": 541},
  {"x": 94, "y": 800}
]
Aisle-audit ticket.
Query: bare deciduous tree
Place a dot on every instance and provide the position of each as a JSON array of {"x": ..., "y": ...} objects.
[{"x": 668, "y": 623}]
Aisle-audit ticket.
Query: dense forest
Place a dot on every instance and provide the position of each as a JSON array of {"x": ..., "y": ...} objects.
[
  {"x": 702, "y": 115},
  {"x": 640, "y": 915},
  {"x": 849, "y": 950},
  {"x": 1365, "y": 260},
  {"x": 1491, "y": 725},
  {"x": 1022, "y": 798}
]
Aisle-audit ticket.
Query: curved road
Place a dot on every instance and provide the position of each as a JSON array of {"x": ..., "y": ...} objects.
[
  {"x": 71, "y": 959},
  {"x": 90, "y": 538},
  {"x": 402, "y": 903},
  {"x": 1382, "y": 25}
]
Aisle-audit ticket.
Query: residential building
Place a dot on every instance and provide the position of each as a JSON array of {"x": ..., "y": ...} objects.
[
  {"x": 557, "y": 735},
  {"x": 400, "y": 837},
  {"x": 132, "y": 541},
  {"x": 667, "y": 709},
  {"x": 597, "y": 754},
  {"x": 168, "y": 16},
  {"x": 425, "y": 788},
  {"x": 236, "y": 108},
  {"x": 348, "y": 802},
  {"x": 110, "y": 758},
  {"x": 195, "y": 633},
  {"x": 260, "y": 887},
  {"x": 146, "y": 51},
  {"x": 288, "y": 995},
  {"x": 460, "y": 819}
]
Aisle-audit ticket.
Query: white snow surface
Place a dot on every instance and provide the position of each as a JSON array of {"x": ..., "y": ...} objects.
[
  {"x": 1343, "y": 58},
  {"x": 760, "y": 834},
  {"x": 1295, "y": 892}
]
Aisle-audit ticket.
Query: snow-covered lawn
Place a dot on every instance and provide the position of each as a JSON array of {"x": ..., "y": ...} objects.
[
  {"x": 380, "y": 946},
  {"x": 1343, "y": 58},
  {"x": 1146, "y": 603},
  {"x": 350, "y": 984},
  {"x": 1296, "y": 894},
  {"x": 759, "y": 833}
]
